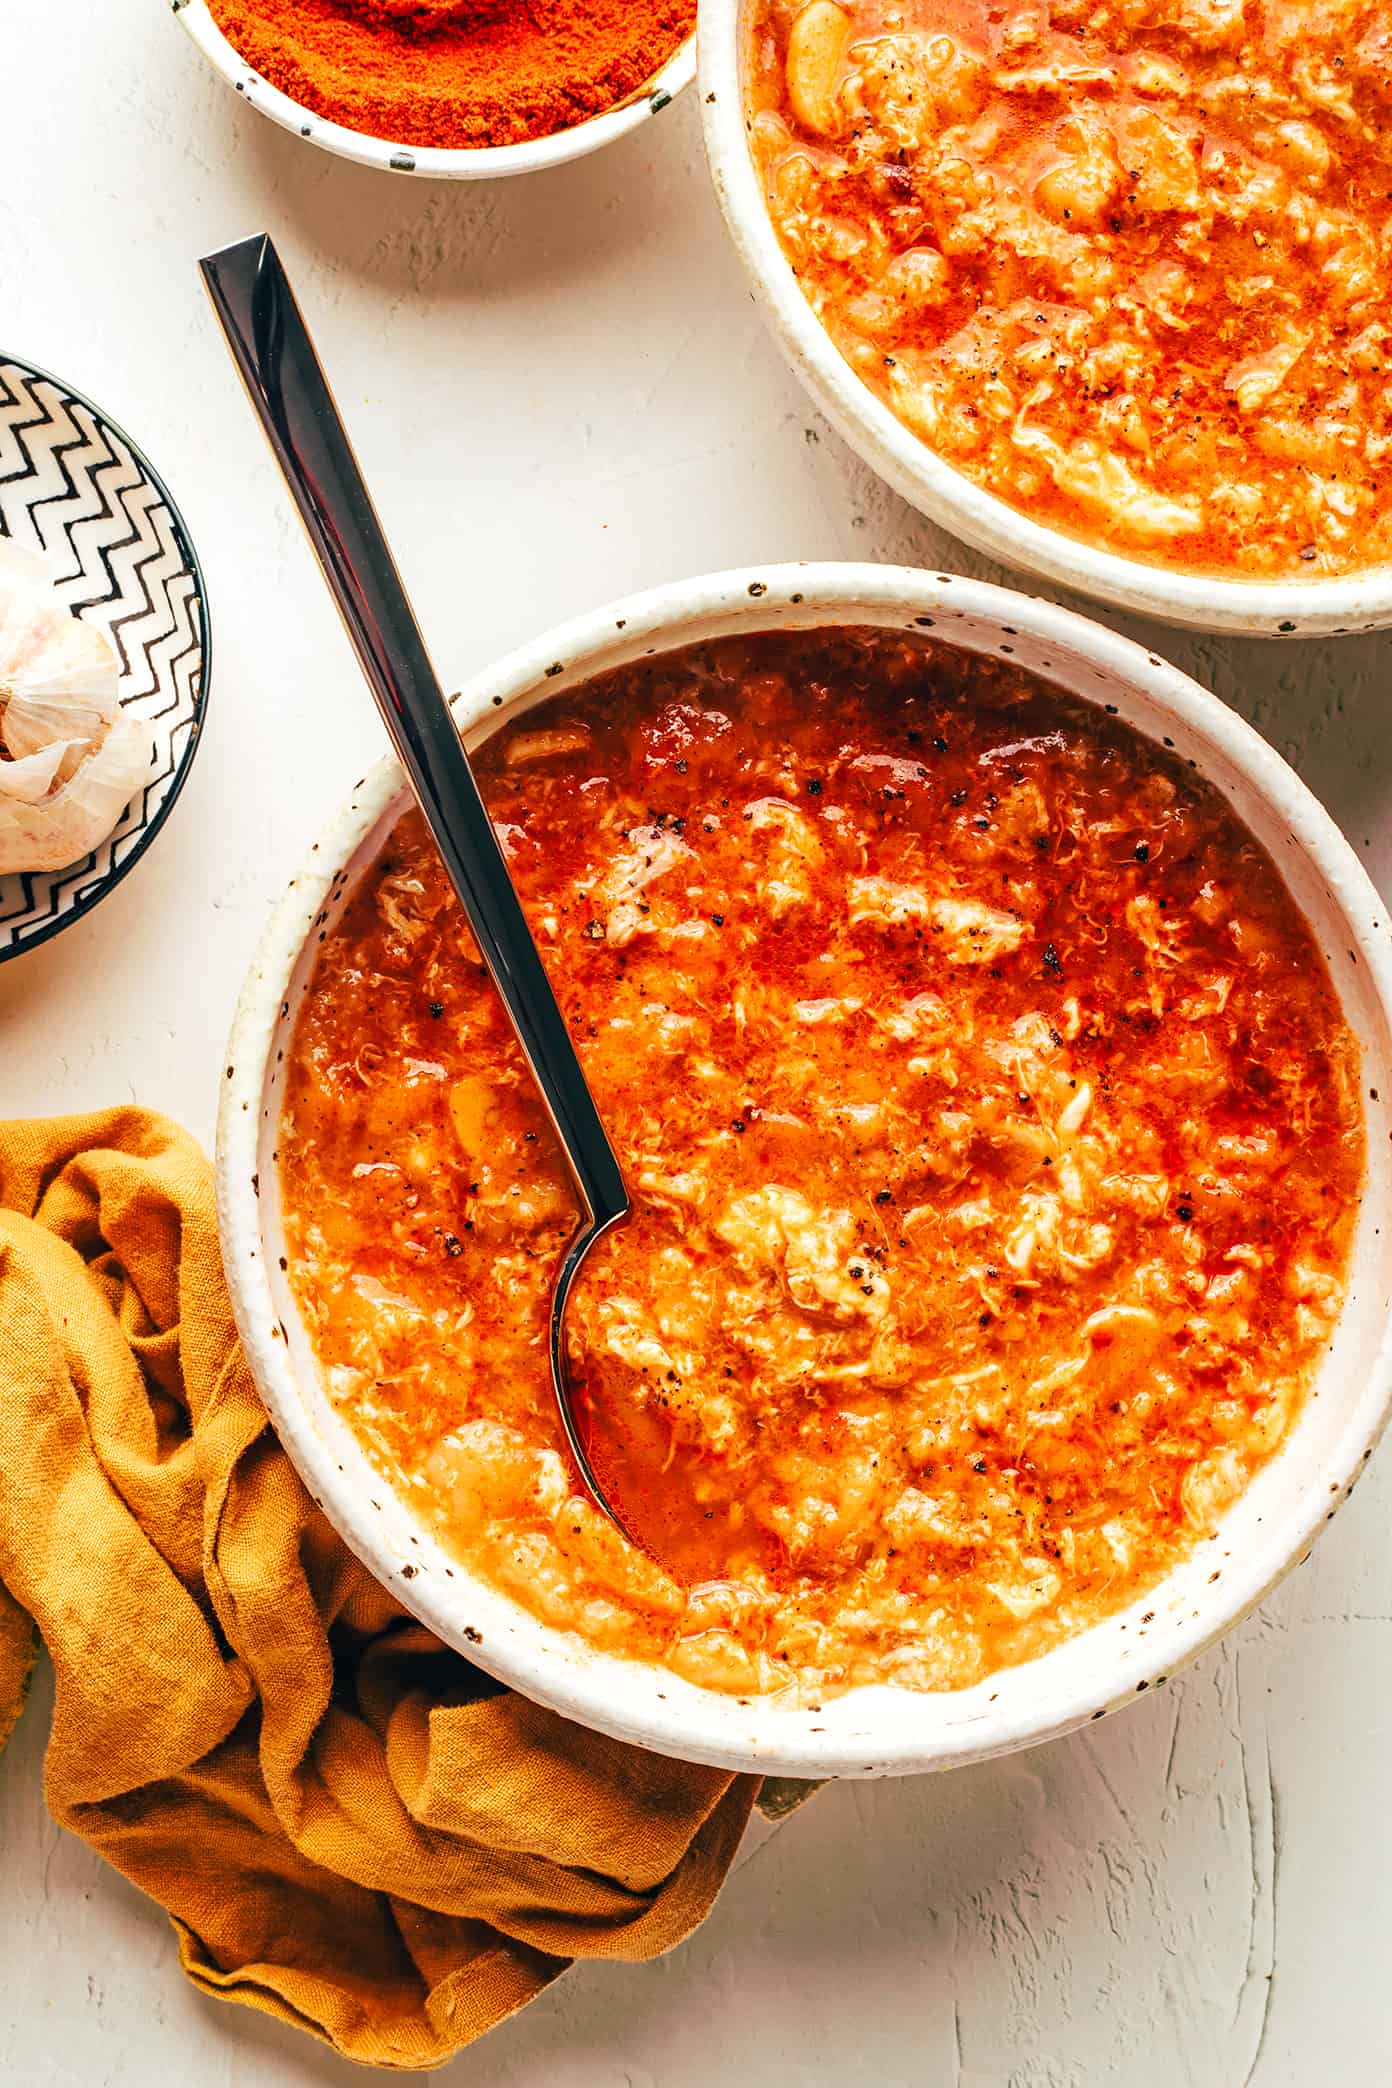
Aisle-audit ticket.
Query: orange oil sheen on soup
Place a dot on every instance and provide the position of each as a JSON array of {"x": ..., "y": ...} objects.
[
  {"x": 993, "y": 1132},
  {"x": 1122, "y": 265}
]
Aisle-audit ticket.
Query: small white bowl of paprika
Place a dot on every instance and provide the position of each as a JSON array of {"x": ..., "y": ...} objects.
[{"x": 455, "y": 90}]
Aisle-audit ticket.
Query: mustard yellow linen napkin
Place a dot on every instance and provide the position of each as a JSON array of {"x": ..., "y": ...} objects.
[{"x": 349, "y": 1826}]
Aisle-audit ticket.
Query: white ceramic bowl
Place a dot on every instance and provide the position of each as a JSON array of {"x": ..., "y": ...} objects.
[
  {"x": 1275, "y": 609},
  {"x": 879, "y": 1730},
  {"x": 466, "y": 163}
]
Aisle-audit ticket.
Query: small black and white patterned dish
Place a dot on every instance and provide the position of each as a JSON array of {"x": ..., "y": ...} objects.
[{"x": 76, "y": 489}]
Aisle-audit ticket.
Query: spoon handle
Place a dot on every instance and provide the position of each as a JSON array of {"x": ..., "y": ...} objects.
[{"x": 270, "y": 343}]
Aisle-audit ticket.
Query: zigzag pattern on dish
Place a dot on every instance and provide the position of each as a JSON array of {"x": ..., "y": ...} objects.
[{"x": 72, "y": 487}]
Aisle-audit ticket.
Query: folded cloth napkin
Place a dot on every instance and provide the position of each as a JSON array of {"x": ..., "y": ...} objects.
[{"x": 350, "y": 1827}]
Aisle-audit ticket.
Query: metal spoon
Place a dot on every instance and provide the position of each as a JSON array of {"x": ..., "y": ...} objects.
[{"x": 270, "y": 343}]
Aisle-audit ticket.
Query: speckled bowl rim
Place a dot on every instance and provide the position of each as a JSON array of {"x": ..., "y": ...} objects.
[
  {"x": 436, "y": 163},
  {"x": 879, "y": 1730},
  {"x": 1269, "y": 609}
]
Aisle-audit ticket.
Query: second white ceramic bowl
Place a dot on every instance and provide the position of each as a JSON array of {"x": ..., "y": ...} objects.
[
  {"x": 438, "y": 163},
  {"x": 1273, "y": 609},
  {"x": 881, "y": 1730}
]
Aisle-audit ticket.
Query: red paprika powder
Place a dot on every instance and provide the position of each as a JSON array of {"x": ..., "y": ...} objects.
[{"x": 456, "y": 72}]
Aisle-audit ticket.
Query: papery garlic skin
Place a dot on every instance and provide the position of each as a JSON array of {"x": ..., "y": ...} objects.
[{"x": 71, "y": 759}]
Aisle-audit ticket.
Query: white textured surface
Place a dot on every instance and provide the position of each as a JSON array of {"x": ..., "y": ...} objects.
[{"x": 561, "y": 391}]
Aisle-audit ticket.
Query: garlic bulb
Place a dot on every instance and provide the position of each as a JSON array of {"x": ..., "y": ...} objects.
[{"x": 71, "y": 759}]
